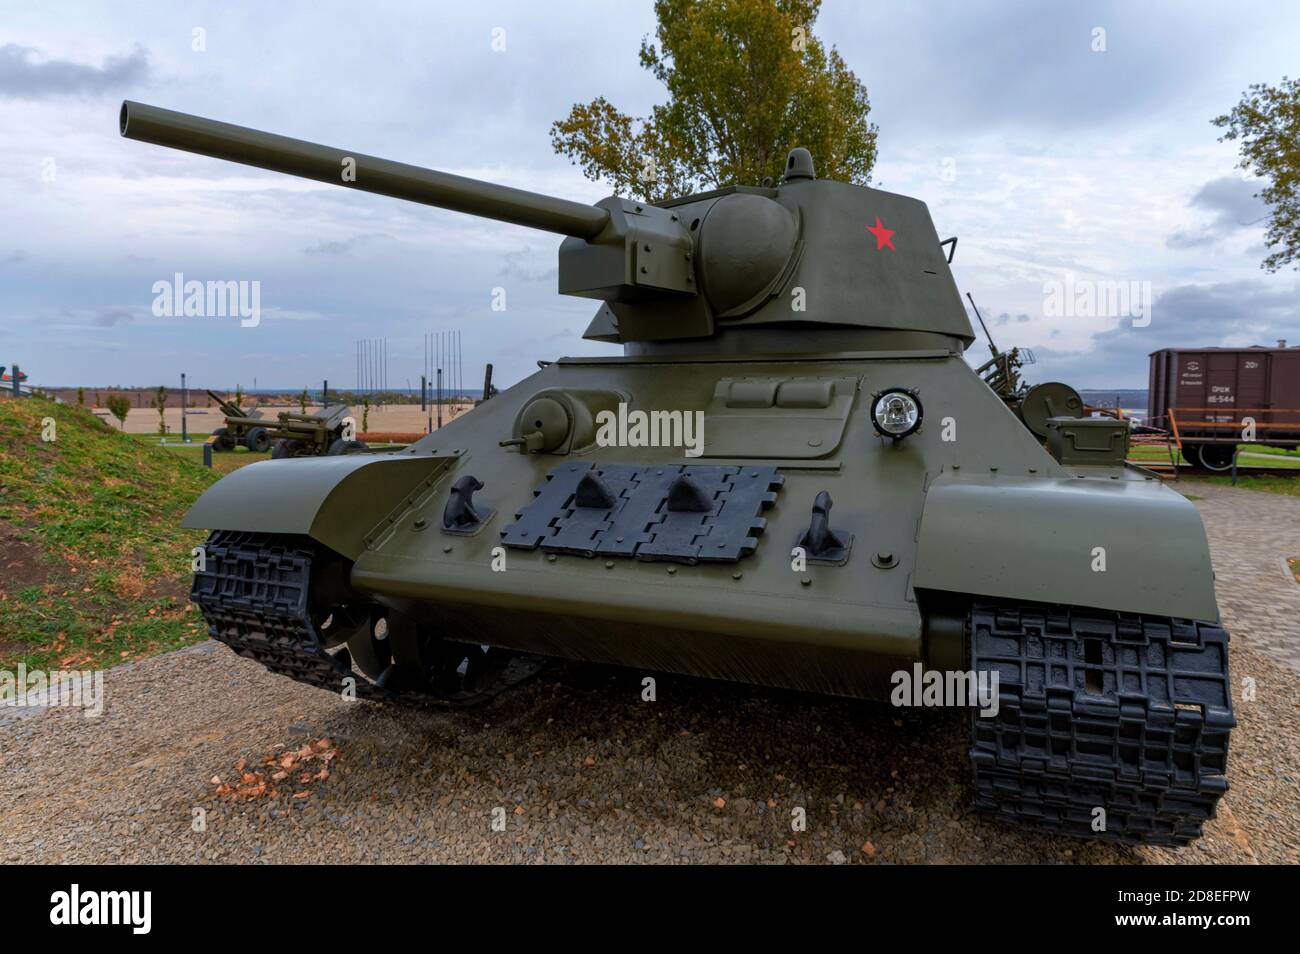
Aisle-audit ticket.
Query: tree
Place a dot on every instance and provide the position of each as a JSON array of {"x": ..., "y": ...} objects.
[
  {"x": 747, "y": 82},
  {"x": 119, "y": 406},
  {"x": 160, "y": 402},
  {"x": 239, "y": 395},
  {"x": 1267, "y": 122},
  {"x": 81, "y": 397},
  {"x": 302, "y": 400}
]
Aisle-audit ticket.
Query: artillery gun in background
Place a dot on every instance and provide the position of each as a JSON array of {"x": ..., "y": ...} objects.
[
  {"x": 1039, "y": 405},
  {"x": 247, "y": 429},
  {"x": 815, "y": 328},
  {"x": 324, "y": 433}
]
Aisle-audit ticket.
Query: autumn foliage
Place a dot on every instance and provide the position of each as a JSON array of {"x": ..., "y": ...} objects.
[{"x": 747, "y": 81}]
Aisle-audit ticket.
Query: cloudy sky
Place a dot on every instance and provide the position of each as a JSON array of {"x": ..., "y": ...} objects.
[{"x": 1050, "y": 161}]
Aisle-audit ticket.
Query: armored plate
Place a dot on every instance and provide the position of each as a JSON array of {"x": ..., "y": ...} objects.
[{"x": 683, "y": 513}]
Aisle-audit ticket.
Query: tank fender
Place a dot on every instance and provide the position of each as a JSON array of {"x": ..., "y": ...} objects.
[
  {"x": 1127, "y": 545},
  {"x": 342, "y": 502}
]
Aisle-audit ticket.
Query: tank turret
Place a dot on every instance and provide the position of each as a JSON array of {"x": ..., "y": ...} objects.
[{"x": 802, "y": 258}]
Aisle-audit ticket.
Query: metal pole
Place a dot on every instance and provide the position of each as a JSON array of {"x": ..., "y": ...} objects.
[
  {"x": 440, "y": 398},
  {"x": 185, "y": 432}
]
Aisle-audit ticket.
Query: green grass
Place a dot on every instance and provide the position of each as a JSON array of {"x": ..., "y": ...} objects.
[
  {"x": 1250, "y": 455},
  {"x": 223, "y": 462},
  {"x": 106, "y": 571},
  {"x": 1289, "y": 486},
  {"x": 1292, "y": 453}
]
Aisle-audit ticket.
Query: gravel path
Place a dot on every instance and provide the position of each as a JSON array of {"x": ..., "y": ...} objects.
[
  {"x": 583, "y": 770},
  {"x": 1251, "y": 535},
  {"x": 577, "y": 767}
]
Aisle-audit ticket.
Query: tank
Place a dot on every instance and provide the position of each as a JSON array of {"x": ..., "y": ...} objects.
[
  {"x": 788, "y": 477},
  {"x": 1211, "y": 397}
]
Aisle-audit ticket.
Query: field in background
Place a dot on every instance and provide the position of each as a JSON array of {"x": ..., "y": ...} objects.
[{"x": 388, "y": 417}]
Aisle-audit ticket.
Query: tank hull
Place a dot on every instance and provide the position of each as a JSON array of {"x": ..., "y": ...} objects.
[{"x": 932, "y": 520}]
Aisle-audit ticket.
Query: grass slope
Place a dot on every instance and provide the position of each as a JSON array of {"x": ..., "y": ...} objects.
[{"x": 94, "y": 567}]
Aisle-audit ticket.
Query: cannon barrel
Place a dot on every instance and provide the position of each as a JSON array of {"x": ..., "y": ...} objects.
[
  {"x": 227, "y": 407},
  {"x": 164, "y": 127}
]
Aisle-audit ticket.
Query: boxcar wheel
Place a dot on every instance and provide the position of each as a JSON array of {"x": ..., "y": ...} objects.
[{"x": 1216, "y": 456}]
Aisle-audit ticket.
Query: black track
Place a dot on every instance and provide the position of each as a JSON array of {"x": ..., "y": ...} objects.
[
  {"x": 255, "y": 593},
  {"x": 1101, "y": 710}
]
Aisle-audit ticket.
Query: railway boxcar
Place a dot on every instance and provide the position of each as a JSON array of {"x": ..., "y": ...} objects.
[{"x": 1213, "y": 398}]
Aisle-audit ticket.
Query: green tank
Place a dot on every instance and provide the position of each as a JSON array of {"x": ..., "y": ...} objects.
[{"x": 789, "y": 477}]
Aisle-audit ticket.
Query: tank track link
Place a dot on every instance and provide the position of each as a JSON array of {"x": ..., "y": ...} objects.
[
  {"x": 254, "y": 594},
  {"x": 1126, "y": 713}
]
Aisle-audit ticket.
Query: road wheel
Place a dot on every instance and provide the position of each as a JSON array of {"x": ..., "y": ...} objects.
[
  {"x": 285, "y": 448},
  {"x": 222, "y": 440},
  {"x": 258, "y": 440},
  {"x": 1216, "y": 456},
  {"x": 343, "y": 446}
]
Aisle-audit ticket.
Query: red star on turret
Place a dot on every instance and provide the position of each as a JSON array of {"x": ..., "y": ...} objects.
[{"x": 884, "y": 236}]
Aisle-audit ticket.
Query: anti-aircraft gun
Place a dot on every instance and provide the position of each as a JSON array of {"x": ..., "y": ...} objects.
[
  {"x": 1041, "y": 404},
  {"x": 790, "y": 477}
]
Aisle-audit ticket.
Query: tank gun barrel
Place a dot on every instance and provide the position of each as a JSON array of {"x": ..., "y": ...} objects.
[{"x": 252, "y": 147}]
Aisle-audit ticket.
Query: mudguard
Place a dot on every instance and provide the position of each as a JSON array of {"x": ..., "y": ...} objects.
[
  {"x": 1130, "y": 545},
  {"x": 344, "y": 502}
]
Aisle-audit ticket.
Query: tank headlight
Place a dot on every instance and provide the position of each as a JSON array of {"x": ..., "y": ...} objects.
[{"x": 896, "y": 413}]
